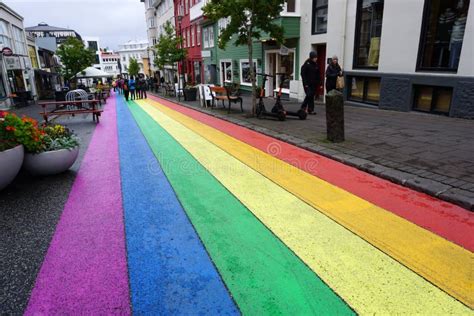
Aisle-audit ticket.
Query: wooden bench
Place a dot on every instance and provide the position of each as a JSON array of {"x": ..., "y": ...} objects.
[
  {"x": 70, "y": 108},
  {"x": 223, "y": 94}
]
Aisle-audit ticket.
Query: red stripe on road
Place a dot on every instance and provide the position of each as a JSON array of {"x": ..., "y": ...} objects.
[{"x": 442, "y": 218}]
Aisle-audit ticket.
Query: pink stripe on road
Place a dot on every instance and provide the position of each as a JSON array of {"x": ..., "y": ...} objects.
[{"x": 85, "y": 270}]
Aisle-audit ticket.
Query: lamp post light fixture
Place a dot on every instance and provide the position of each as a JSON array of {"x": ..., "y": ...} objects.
[{"x": 180, "y": 17}]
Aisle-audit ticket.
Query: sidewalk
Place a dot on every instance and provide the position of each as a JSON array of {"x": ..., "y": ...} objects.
[{"x": 430, "y": 153}]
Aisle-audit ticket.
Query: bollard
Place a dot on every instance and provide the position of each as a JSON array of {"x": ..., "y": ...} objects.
[{"x": 335, "y": 116}]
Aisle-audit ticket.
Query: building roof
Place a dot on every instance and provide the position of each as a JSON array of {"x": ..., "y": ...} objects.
[
  {"x": 10, "y": 10},
  {"x": 43, "y": 27}
]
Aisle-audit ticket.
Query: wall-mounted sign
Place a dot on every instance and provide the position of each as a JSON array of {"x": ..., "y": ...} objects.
[
  {"x": 12, "y": 63},
  {"x": 284, "y": 50},
  {"x": 206, "y": 53},
  {"x": 6, "y": 51}
]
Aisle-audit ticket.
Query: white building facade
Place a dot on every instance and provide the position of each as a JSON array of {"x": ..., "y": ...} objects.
[
  {"x": 133, "y": 49},
  {"x": 110, "y": 63},
  {"x": 16, "y": 71},
  {"x": 157, "y": 13},
  {"x": 397, "y": 54}
]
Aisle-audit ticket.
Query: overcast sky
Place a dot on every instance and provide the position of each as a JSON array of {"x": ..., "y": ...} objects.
[{"x": 114, "y": 21}]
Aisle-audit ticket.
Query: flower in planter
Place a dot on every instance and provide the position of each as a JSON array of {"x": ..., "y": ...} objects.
[
  {"x": 59, "y": 137},
  {"x": 16, "y": 131}
]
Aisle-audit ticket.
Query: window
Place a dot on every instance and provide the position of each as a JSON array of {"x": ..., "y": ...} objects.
[
  {"x": 192, "y": 36},
  {"x": 92, "y": 45},
  {"x": 3, "y": 92},
  {"x": 320, "y": 16},
  {"x": 365, "y": 89},
  {"x": 245, "y": 78},
  {"x": 226, "y": 72},
  {"x": 4, "y": 34},
  {"x": 211, "y": 36},
  {"x": 19, "y": 41},
  {"x": 222, "y": 24},
  {"x": 290, "y": 6},
  {"x": 444, "y": 24},
  {"x": 198, "y": 35},
  {"x": 368, "y": 33},
  {"x": 205, "y": 34},
  {"x": 33, "y": 57},
  {"x": 432, "y": 99}
]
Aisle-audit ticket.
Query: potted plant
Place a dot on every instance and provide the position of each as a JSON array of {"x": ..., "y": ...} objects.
[
  {"x": 16, "y": 135},
  {"x": 57, "y": 152},
  {"x": 190, "y": 92}
]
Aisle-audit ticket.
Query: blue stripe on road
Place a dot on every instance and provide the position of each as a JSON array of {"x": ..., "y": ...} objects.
[{"x": 170, "y": 271}]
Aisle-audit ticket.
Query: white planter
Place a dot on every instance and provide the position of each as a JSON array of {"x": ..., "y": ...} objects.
[
  {"x": 50, "y": 162},
  {"x": 10, "y": 164}
]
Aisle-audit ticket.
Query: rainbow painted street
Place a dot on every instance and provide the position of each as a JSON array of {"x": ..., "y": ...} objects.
[{"x": 182, "y": 213}]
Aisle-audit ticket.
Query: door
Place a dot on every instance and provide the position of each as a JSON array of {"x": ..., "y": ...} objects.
[
  {"x": 322, "y": 64},
  {"x": 226, "y": 72}
]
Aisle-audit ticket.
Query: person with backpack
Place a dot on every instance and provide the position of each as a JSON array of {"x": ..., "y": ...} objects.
[
  {"x": 311, "y": 81},
  {"x": 143, "y": 87},
  {"x": 126, "y": 90},
  {"x": 132, "y": 87},
  {"x": 138, "y": 88}
]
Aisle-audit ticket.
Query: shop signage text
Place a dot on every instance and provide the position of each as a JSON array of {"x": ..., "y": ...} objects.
[{"x": 6, "y": 51}]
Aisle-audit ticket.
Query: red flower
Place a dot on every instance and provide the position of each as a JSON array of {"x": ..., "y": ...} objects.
[
  {"x": 10, "y": 128},
  {"x": 3, "y": 114}
]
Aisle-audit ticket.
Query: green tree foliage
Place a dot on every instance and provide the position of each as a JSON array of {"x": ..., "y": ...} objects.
[
  {"x": 133, "y": 67},
  {"x": 169, "y": 48},
  {"x": 74, "y": 57},
  {"x": 249, "y": 20}
]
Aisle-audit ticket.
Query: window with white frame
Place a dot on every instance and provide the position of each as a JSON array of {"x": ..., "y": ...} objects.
[
  {"x": 222, "y": 24},
  {"x": 192, "y": 36},
  {"x": 211, "y": 36},
  {"x": 205, "y": 35},
  {"x": 226, "y": 71},
  {"x": 19, "y": 40},
  {"x": 184, "y": 39},
  {"x": 245, "y": 78},
  {"x": 188, "y": 36},
  {"x": 198, "y": 35},
  {"x": 4, "y": 34}
]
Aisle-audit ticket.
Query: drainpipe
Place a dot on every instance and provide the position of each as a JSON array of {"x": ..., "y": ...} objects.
[{"x": 343, "y": 36}]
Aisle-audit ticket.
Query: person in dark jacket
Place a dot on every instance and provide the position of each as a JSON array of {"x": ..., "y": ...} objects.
[
  {"x": 332, "y": 72},
  {"x": 311, "y": 81}
]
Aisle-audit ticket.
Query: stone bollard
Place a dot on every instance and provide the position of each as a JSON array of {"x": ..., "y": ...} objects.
[{"x": 335, "y": 116}]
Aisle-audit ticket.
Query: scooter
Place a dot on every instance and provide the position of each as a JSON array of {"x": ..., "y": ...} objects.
[
  {"x": 302, "y": 114},
  {"x": 277, "y": 111}
]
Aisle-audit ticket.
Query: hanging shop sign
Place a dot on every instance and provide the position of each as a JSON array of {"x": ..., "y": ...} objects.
[
  {"x": 12, "y": 63},
  {"x": 6, "y": 51}
]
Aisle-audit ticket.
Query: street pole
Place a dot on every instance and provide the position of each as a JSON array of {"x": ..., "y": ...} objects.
[{"x": 180, "y": 71}]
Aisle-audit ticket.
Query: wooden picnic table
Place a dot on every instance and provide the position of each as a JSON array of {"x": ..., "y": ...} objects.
[{"x": 71, "y": 108}]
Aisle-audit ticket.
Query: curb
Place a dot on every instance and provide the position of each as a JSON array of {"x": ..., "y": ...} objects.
[{"x": 437, "y": 189}]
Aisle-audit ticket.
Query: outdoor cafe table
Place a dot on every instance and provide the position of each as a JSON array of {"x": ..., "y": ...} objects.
[{"x": 70, "y": 108}]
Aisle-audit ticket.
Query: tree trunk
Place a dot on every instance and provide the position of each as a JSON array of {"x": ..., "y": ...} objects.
[{"x": 252, "y": 71}]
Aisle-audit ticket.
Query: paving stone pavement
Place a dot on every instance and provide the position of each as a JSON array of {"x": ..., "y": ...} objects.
[{"x": 429, "y": 153}]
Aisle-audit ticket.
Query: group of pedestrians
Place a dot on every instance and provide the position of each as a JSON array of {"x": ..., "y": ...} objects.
[
  {"x": 312, "y": 79},
  {"x": 134, "y": 89}
]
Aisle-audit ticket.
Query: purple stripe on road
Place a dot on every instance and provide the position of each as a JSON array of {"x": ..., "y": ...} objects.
[{"x": 85, "y": 270}]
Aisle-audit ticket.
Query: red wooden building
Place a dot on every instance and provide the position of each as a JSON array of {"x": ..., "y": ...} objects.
[{"x": 188, "y": 25}]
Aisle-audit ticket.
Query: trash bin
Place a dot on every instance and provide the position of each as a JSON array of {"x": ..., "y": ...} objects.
[{"x": 335, "y": 116}]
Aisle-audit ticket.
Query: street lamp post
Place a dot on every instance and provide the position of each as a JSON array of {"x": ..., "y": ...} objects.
[{"x": 180, "y": 71}]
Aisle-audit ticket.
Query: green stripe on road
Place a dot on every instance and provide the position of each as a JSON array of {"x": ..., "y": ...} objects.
[{"x": 263, "y": 275}]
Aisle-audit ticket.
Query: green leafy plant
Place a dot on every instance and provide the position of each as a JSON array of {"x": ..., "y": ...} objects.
[
  {"x": 249, "y": 20},
  {"x": 169, "y": 49},
  {"x": 74, "y": 57},
  {"x": 59, "y": 137},
  {"x": 133, "y": 67}
]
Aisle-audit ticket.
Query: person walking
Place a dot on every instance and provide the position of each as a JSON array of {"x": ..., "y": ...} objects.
[
  {"x": 333, "y": 71},
  {"x": 144, "y": 84},
  {"x": 138, "y": 88},
  {"x": 311, "y": 81},
  {"x": 132, "y": 88},
  {"x": 125, "y": 89}
]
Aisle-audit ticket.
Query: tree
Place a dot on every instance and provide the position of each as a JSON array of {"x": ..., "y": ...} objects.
[
  {"x": 249, "y": 21},
  {"x": 74, "y": 57},
  {"x": 133, "y": 67},
  {"x": 169, "y": 48}
]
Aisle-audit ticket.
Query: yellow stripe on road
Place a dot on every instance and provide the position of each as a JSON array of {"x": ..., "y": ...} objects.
[
  {"x": 443, "y": 263},
  {"x": 370, "y": 281}
]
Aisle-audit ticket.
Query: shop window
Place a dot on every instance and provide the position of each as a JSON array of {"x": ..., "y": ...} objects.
[
  {"x": 320, "y": 16},
  {"x": 444, "y": 24},
  {"x": 4, "y": 35},
  {"x": 368, "y": 33},
  {"x": 433, "y": 99},
  {"x": 364, "y": 89},
  {"x": 245, "y": 78},
  {"x": 3, "y": 92}
]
